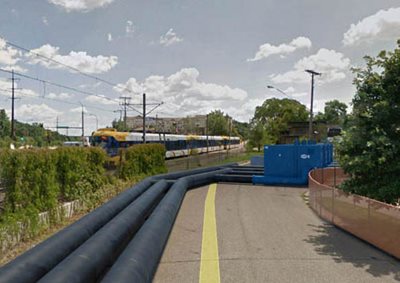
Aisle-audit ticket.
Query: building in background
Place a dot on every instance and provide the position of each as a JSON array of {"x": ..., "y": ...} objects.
[{"x": 196, "y": 125}]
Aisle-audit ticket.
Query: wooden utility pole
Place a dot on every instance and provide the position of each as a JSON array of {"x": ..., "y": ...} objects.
[
  {"x": 310, "y": 128},
  {"x": 12, "y": 134},
  {"x": 144, "y": 118}
]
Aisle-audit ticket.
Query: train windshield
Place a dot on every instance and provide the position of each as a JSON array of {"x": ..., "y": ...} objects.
[{"x": 100, "y": 141}]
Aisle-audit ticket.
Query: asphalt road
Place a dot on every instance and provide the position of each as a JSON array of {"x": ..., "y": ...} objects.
[{"x": 268, "y": 234}]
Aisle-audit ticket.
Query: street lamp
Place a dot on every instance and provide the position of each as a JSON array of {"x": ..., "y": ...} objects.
[
  {"x": 313, "y": 73},
  {"x": 277, "y": 89}
]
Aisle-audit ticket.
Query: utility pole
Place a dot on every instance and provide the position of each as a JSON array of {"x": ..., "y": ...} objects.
[
  {"x": 83, "y": 123},
  {"x": 144, "y": 118},
  {"x": 207, "y": 131},
  {"x": 310, "y": 127},
  {"x": 125, "y": 103},
  {"x": 13, "y": 79}
]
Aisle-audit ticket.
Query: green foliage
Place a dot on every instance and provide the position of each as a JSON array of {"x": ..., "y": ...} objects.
[
  {"x": 37, "y": 179},
  {"x": 142, "y": 159},
  {"x": 335, "y": 113},
  {"x": 275, "y": 114},
  {"x": 241, "y": 129},
  {"x": 218, "y": 123},
  {"x": 119, "y": 125},
  {"x": 5, "y": 125},
  {"x": 29, "y": 177},
  {"x": 27, "y": 134},
  {"x": 80, "y": 171},
  {"x": 370, "y": 149},
  {"x": 258, "y": 137}
]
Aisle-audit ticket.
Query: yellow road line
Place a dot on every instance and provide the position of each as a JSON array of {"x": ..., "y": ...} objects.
[{"x": 209, "y": 266}]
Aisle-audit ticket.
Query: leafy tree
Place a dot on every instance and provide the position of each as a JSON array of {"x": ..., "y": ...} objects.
[
  {"x": 370, "y": 149},
  {"x": 218, "y": 123},
  {"x": 119, "y": 125},
  {"x": 5, "y": 125},
  {"x": 258, "y": 136},
  {"x": 275, "y": 114},
  {"x": 32, "y": 134},
  {"x": 335, "y": 113},
  {"x": 241, "y": 129}
]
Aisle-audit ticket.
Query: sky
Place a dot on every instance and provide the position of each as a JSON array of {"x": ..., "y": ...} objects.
[{"x": 195, "y": 56}]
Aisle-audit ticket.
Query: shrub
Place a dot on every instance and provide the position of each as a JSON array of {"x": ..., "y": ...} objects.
[{"x": 142, "y": 159}]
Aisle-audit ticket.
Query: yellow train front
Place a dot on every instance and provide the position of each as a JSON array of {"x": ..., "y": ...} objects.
[{"x": 176, "y": 145}]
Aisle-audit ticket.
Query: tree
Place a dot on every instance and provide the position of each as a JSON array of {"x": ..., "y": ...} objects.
[
  {"x": 218, "y": 123},
  {"x": 119, "y": 125},
  {"x": 258, "y": 136},
  {"x": 275, "y": 114},
  {"x": 241, "y": 129},
  {"x": 5, "y": 125},
  {"x": 370, "y": 149},
  {"x": 335, "y": 113}
]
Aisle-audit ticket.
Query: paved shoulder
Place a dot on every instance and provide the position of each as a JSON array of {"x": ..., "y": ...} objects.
[{"x": 269, "y": 234}]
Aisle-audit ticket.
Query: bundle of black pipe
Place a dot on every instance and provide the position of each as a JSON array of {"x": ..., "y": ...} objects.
[
  {"x": 88, "y": 262},
  {"x": 35, "y": 263},
  {"x": 139, "y": 260}
]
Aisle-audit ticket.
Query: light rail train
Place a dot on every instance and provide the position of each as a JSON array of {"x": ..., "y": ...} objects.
[{"x": 176, "y": 145}]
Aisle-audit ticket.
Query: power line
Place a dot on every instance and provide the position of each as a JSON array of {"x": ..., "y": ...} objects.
[
  {"x": 59, "y": 85},
  {"x": 113, "y": 84},
  {"x": 57, "y": 100}
]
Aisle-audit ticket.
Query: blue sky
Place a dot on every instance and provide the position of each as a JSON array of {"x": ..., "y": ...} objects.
[{"x": 195, "y": 55}]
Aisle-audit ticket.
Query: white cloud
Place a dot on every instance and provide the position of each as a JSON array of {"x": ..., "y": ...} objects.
[
  {"x": 101, "y": 99},
  {"x": 80, "y": 5},
  {"x": 25, "y": 92},
  {"x": 61, "y": 96},
  {"x": 15, "y": 68},
  {"x": 291, "y": 91},
  {"x": 332, "y": 64},
  {"x": 8, "y": 55},
  {"x": 79, "y": 60},
  {"x": 129, "y": 28},
  {"x": 266, "y": 50},
  {"x": 45, "y": 21},
  {"x": 170, "y": 38},
  {"x": 184, "y": 94},
  {"x": 78, "y": 109},
  {"x": 109, "y": 37},
  {"x": 5, "y": 89},
  {"x": 385, "y": 24},
  {"x": 36, "y": 113}
]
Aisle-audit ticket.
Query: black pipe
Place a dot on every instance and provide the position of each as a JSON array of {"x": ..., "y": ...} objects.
[
  {"x": 237, "y": 172},
  {"x": 184, "y": 173},
  {"x": 90, "y": 260},
  {"x": 33, "y": 264},
  {"x": 234, "y": 178},
  {"x": 139, "y": 260},
  {"x": 251, "y": 167}
]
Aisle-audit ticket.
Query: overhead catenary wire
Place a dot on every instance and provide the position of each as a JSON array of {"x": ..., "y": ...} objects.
[
  {"x": 113, "y": 84},
  {"x": 60, "y": 85},
  {"x": 28, "y": 95}
]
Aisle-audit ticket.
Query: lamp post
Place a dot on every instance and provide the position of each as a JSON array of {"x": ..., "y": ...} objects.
[
  {"x": 277, "y": 89},
  {"x": 313, "y": 73}
]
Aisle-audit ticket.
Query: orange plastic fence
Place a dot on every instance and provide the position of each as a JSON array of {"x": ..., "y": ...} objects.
[{"x": 373, "y": 221}]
